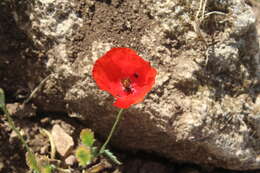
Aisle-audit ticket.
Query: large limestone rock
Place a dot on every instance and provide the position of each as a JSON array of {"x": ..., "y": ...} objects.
[{"x": 205, "y": 106}]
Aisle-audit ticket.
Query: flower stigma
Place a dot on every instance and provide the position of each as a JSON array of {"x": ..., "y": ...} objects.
[{"x": 126, "y": 83}]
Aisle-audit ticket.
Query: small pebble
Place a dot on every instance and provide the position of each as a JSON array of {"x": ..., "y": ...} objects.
[
  {"x": 1, "y": 166},
  {"x": 45, "y": 120},
  {"x": 70, "y": 160},
  {"x": 44, "y": 149},
  {"x": 62, "y": 140}
]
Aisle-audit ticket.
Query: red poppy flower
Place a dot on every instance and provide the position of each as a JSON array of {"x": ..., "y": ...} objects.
[{"x": 125, "y": 75}]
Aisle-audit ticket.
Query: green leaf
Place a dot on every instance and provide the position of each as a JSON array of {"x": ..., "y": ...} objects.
[
  {"x": 32, "y": 162},
  {"x": 46, "y": 168},
  {"x": 87, "y": 137},
  {"x": 110, "y": 155},
  {"x": 83, "y": 155},
  {"x": 2, "y": 99}
]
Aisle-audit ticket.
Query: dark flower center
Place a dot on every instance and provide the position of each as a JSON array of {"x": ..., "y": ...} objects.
[
  {"x": 136, "y": 75},
  {"x": 126, "y": 83}
]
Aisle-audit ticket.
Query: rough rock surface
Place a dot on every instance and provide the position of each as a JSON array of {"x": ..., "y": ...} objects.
[{"x": 204, "y": 107}]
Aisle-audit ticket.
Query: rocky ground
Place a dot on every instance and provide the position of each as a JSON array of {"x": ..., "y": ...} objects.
[{"x": 12, "y": 154}]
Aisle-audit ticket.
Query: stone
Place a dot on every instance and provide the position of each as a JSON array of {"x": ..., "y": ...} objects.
[
  {"x": 14, "y": 137},
  {"x": 224, "y": 56},
  {"x": 20, "y": 110},
  {"x": 44, "y": 149},
  {"x": 70, "y": 160},
  {"x": 63, "y": 142},
  {"x": 204, "y": 106}
]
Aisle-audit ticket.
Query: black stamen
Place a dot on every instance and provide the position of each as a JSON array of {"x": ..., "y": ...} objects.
[{"x": 136, "y": 75}]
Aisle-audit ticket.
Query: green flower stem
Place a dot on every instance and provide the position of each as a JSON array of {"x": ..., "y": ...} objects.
[
  {"x": 12, "y": 125},
  {"x": 111, "y": 132}
]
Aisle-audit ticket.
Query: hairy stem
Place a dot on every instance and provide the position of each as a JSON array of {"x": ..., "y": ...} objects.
[
  {"x": 12, "y": 125},
  {"x": 111, "y": 132}
]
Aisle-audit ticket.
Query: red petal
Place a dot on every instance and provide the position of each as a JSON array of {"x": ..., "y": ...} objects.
[{"x": 119, "y": 64}]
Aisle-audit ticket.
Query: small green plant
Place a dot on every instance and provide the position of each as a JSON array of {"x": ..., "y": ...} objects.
[{"x": 86, "y": 152}]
